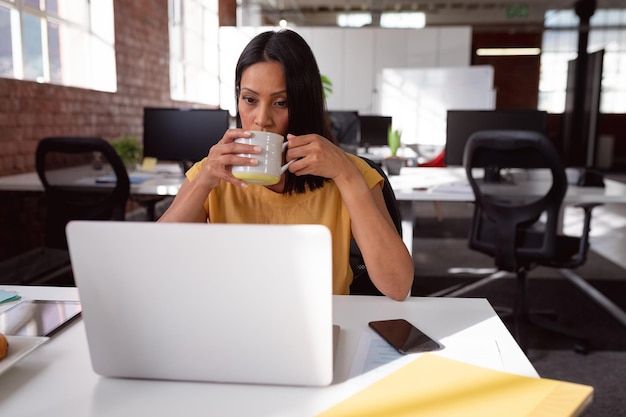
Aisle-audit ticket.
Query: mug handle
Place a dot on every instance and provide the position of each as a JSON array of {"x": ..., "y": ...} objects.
[{"x": 284, "y": 167}]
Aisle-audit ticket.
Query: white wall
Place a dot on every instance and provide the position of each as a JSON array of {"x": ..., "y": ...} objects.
[
  {"x": 418, "y": 99},
  {"x": 354, "y": 58}
]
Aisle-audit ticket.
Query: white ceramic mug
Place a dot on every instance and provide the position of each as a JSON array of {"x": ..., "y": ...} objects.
[{"x": 270, "y": 168}]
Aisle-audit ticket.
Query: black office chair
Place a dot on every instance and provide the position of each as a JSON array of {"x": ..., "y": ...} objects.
[
  {"x": 362, "y": 284},
  {"x": 75, "y": 200},
  {"x": 517, "y": 216},
  {"x": 68, "y": 198}
]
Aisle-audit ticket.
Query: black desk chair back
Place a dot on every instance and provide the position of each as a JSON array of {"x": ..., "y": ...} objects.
[
  {"x": 519, "y": 184},
  {"x": 362, "y": 284},
  {"x": 75, "y": 200}
]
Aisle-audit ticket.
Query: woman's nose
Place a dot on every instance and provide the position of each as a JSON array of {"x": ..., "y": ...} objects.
[{"x": 262, "y": 118}]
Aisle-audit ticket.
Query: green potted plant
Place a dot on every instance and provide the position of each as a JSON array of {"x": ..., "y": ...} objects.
[
  {"x": 129, "y": 149},
  {"x": 394, "y": 163},
  {"x": 327, "y": 85}
]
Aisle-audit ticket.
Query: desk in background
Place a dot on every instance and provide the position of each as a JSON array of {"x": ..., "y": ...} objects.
[
  {"x": 165, "y": 180},
  {"x": 413, "y": 185},
  {"x": 56, "y": 380},
  {"x": 416, "y": 184},
  {"x": 147, "y": 187},
  {"x": 434, "y": 184}
]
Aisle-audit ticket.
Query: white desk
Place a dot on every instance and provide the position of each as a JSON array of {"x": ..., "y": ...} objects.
[
  {"x": 414, "y": 184},
  {"x": 57, "y": 379},
  {"x": 433, "y": 184},
  {"x": 430, "y": 184},
  {"x": 165, "y": 180}
]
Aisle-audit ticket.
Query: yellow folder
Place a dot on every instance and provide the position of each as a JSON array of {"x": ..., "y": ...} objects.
[{"x": 436, "y": 386}]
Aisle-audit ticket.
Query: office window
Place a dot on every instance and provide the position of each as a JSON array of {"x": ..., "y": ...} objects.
[
  {"x": 67, "y": 42},
  {"x": 6, "y": 43},
  {"x": 194, "y": 54},
  {"x": 560, "y": 44}
]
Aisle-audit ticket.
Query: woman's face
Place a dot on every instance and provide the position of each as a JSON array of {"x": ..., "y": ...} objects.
[{"x": 263, "y": 98}]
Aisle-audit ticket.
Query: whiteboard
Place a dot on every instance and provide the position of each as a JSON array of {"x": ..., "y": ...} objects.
[{"x": 418, "y": 98}]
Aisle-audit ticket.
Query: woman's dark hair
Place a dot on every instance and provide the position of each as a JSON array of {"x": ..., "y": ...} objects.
[{"x": 305, "y": 96}]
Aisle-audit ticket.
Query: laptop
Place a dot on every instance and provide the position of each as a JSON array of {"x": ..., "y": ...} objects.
[{"x": 206, "y": 302}]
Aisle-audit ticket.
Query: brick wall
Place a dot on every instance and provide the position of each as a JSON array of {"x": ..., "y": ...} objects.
[
  {"x": 516, "y": 78},
  {"x": 30, "y": 111}
]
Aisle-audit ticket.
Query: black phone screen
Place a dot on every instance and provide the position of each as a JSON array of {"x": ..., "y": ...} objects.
[
  {"x": 38, "y": 317},
  {"x": 404, "y": 337}
]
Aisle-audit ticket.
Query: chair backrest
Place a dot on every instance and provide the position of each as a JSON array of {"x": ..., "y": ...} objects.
[
  {"x": 362, "y": 284},
  {"x": 69, "y": 169},
  {"x": 507, "y": 209}
]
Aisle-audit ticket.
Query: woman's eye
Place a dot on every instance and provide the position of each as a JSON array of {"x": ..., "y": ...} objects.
[
  {"x": 248, "y": 100},
  {"x": 281, "y": 103}
]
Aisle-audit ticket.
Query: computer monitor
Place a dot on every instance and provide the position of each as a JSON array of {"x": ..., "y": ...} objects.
[
  {"x": 374, "y": 130},
  {"x": 461, "y": 124},
  {"x": 182, "y": 135},
  {"x": 345, "y": 127},
  {"x": 579, "y": 145}
]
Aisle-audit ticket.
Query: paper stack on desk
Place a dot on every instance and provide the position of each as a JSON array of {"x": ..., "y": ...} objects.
[{"x": 441, "y": 387}]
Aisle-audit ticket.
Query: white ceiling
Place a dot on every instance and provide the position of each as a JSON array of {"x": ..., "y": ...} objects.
[{"x": 438, "y": 12}]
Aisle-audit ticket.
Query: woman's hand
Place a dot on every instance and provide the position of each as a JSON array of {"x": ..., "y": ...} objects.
[
  {"x": 316, "y": 155},
  {"x": 188, "y": 206},
  {"x": 223, "y": 155}
]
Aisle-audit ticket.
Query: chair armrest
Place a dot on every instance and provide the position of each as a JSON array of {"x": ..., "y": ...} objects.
[
  {"x": 583, "y": 246},
  {"x": 587, "y": 207}
]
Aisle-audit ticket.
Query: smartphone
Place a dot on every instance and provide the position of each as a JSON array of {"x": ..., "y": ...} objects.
[
  {"x": 38, "y": 317},
  {"x": 404, "y": 337}
]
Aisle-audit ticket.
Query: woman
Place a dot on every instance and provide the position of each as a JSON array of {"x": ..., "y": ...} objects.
[{"x": 279, "y": 89}]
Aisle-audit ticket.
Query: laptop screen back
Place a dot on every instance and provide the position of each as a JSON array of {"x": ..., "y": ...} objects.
[{"x": 226, "y": 303}]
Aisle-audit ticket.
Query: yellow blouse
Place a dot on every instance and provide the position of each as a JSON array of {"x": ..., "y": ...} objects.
[{"x": 256, "y": 204}]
